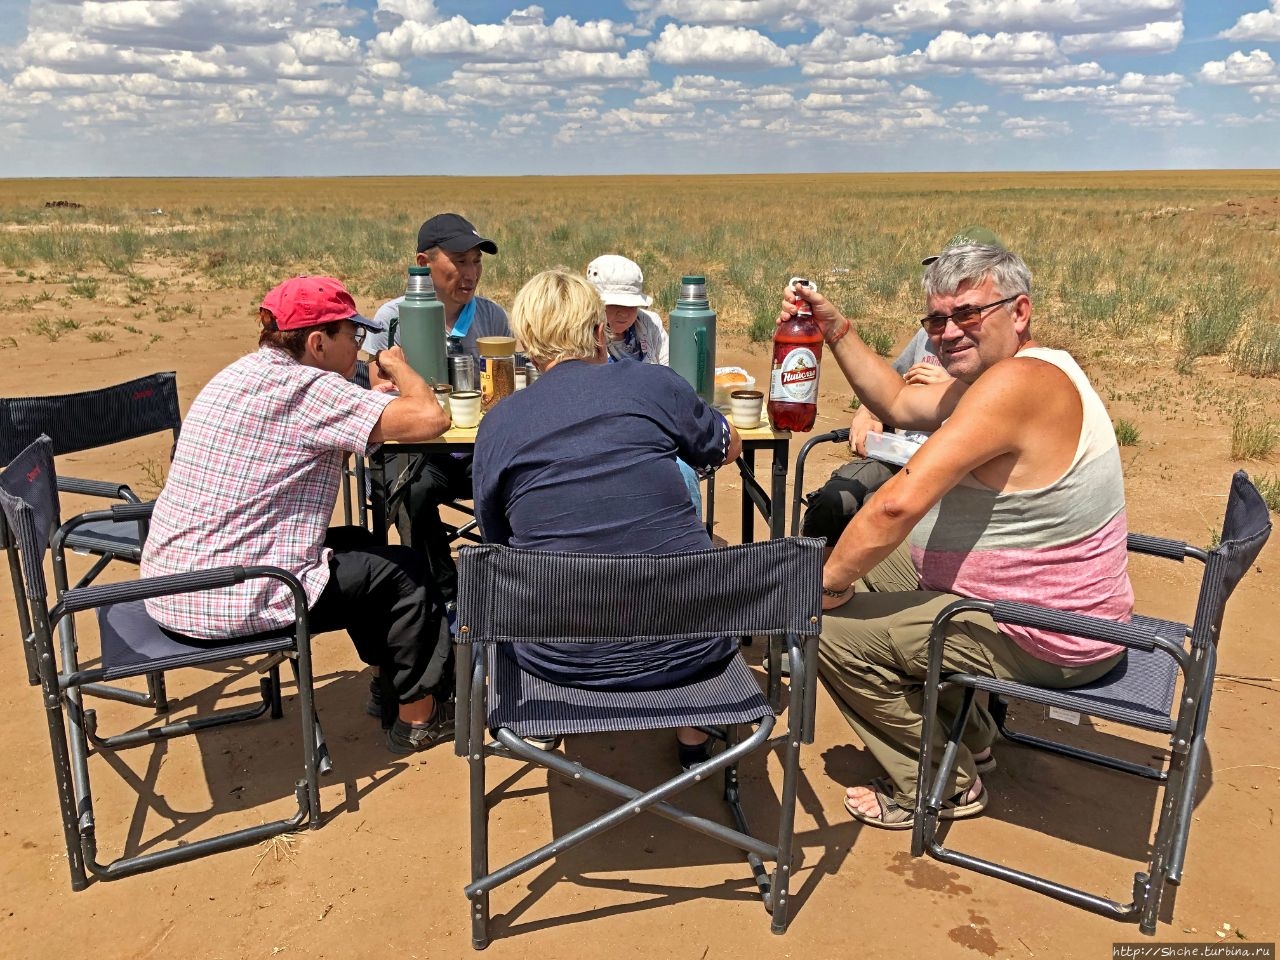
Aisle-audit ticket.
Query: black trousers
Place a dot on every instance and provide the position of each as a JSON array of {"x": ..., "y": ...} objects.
[
  {"x": 386, "y": 601},
  {"x": 829, "y": 509},
  {"x": 444, "y": 477}
]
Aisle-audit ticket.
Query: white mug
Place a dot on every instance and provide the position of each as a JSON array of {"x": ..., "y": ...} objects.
[
  {"x": 464, "y": 405},
  {"x": 745, "y": 407}
]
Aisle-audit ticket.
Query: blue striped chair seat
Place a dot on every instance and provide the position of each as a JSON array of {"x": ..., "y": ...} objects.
[{"x": 533, "y": 707}]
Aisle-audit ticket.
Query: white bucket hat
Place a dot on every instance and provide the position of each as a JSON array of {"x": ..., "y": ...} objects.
[{"x": 619, "y": 280}]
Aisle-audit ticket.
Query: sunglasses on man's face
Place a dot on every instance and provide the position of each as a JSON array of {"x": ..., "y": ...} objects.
[
  {"x": 965, "y": 318},
  {"x": 358, "y": 335}
]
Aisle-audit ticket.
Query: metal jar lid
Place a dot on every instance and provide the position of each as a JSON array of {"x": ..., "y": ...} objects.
[{"x": 496, "y": 346}]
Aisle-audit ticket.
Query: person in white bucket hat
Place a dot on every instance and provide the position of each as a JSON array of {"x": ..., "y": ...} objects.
[{"x": 634, "y": 332}]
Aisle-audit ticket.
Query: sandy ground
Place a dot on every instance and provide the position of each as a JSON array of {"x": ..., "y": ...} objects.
[{"x": 383, "y": 877}]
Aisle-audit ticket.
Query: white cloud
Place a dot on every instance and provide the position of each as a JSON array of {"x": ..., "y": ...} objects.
[
  {"x": 415, "y": 100},
  {"x": 905, "y": 65},
  {"x": 314, "y": 88},
  {"x": 715, "y": 12},
  {"x": 1151, "y": 38},
  {"x": 735, "y": 47},
  {"x": 1013, "y": 16},
  {"x": 581, "y": 65},
  {"x": 829, "y": 46},
  {"x": 686, "y": 91},
  {"x": 957, "y": 49},
  {"x": 1262, "y": 26},
  {"x": 1240, "y": 68},
  {"x": 1040, "y": 76},
  {"x": 325, "y": 45},
  {"x": 517, "y": 40},
  {"x": 1032, "y": 128},
  {"x": 1134, "y": 89}
]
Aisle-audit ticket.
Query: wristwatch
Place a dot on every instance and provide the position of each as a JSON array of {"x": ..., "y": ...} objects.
[{"x": 835, "y": 594}]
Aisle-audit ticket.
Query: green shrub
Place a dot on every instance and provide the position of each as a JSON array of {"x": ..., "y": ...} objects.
[
  {"x": 1126, "y": 433},
  {"x": 1253, "y": 439}
]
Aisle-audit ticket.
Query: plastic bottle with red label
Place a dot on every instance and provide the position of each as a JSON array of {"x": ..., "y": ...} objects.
[{"x": 793, "y": 384}]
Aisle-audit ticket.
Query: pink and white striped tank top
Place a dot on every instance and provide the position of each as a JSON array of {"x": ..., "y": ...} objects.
[{"x": 1061, "y": 546}]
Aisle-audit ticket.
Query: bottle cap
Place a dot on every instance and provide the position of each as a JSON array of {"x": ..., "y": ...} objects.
[
  {"x": 420, "y": 286},
  {"x": 693, "y": 287}
]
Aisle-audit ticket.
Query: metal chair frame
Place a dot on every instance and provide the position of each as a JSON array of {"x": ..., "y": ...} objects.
[
  {"x": 1164, "y": 653},
  {"x": 489, "y": 615},
  {"x": 82, "y": 421},
  {"x": 73, "y": 729}
]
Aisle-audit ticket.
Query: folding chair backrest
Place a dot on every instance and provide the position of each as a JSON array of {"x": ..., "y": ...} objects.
[
  {"x": 1245, "y": 530},
  {"x": 93, "y": 418},
  {"x": 771, "y": 588},
  {"x": 29, "y": 497}
]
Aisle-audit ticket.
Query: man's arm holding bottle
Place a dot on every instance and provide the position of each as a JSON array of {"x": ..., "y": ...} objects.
[{"x": 881, "y": 388}]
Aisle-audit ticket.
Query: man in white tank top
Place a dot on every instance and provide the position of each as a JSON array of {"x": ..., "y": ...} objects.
[{"x": 1017, "y": 495}]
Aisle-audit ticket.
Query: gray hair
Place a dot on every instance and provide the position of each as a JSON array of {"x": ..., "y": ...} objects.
[{"x": 973, "y": 263}]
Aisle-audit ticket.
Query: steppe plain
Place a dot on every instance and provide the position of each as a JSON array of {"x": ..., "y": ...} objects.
[{"x": 1163, "y": 284}]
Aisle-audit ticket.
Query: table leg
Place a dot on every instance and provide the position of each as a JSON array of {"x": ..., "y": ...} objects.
[
  {"x": 778, "y": 496},
  {"x": 378, "y": 493},
  {"x": 748, "y": 508}
]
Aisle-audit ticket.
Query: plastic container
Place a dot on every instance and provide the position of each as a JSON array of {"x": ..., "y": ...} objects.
[
  {"x": 729, "y": 379},
  {"x": 891, "y": 447},
  {"x": 797, "y": 356}
]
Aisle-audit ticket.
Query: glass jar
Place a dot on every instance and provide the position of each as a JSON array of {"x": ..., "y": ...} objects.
[{"x": 498, "y": 368}]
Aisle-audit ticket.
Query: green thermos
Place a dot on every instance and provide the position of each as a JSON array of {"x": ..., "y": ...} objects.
[
  {"x": 693, "y": 337},
  {"x": 421, "y": 324}
]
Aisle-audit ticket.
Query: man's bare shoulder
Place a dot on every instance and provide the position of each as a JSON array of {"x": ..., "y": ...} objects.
[{"x": 1021, "y": 378}]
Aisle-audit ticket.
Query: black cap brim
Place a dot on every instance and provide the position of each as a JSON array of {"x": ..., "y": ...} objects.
[{"x": 463, "y": 242}]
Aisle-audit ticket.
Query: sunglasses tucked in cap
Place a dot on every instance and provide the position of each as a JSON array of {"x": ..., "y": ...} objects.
[
  {"x": 970, "y": 236},
  {"x": 452, "y": 233},
  {"x": 619, "y": 280},
  {"x": 302, "y": 302}
]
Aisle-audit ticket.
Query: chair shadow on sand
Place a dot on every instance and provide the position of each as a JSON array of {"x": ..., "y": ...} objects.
[
  {"x": 247, "y": 770},
  {"x": 678, "y": 860}
]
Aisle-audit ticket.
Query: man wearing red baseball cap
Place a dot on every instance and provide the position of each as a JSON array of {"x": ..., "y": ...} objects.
[{"x": 254, "y": 480}]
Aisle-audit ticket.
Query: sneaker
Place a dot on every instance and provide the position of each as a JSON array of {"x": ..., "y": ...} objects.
[
  {"x": 404, "y": 738},
  {"x": 693, "y": 756}
]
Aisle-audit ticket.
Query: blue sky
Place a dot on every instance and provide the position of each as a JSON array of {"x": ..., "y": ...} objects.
[{"x": 310, "y": 87}]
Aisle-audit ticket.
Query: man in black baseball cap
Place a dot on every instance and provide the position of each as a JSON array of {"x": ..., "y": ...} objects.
[
  {"x": 451, "y": 246},
  {"x": 454, "y": 233}
]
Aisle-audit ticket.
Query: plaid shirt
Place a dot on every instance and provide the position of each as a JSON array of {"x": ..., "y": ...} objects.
[{"x": 254, "y": 481}]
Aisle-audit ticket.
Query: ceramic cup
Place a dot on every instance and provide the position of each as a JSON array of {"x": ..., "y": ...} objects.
[
  {"x": 442, "y": 392},
  {"x": 745, "y": 407},
  {"x": 464, "y": 405}
]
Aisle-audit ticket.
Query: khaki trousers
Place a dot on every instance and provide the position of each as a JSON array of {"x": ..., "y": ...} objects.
[{"x": 874, "y": 654}]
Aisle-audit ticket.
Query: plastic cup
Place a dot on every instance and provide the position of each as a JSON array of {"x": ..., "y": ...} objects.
[
  {"x": 745, "y": 407},
  {"x": 464, "y": 405}
]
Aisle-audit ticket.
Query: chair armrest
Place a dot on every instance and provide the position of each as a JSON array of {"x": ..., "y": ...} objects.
[
  {"x": 1161, "y": 547},
  {"x": 1077, "y": 624},
  {"x": 120, "y": 512},
  {"x": 87, "y": 598},
  {"x": 133, "y": 511},
  {"x": 98, "y": 488}
]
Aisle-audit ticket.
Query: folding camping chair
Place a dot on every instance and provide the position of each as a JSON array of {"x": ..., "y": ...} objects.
[
  {"x": 83, "y": 421},
  {"x": 133, "y": 645},
  {"x": 518, "y": 596},
  {"x": 1138, "y": 692}
]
